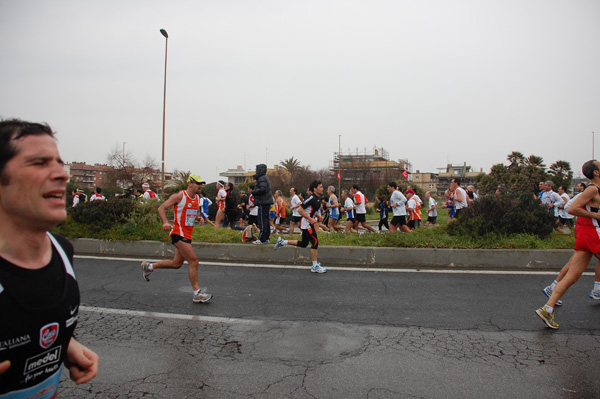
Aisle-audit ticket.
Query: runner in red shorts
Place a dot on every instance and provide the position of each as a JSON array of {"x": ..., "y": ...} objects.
[{"x": 587, "y": 241}]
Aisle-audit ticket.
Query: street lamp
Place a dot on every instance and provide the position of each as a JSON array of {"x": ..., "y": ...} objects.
[{"x": 162, "y": 185}]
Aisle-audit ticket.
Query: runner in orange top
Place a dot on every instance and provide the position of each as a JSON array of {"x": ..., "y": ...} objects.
[
  {"x": 279, "y": 211},
  {"x": 186, "y": 208}
]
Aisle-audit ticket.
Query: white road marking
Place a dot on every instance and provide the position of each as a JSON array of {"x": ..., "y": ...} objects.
[
  {"x": 353, "y": 269},
  {"x": 137, "y": 313}
]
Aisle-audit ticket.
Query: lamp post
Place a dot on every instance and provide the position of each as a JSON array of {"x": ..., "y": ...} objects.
[
  {"x": 124, "y": 164},
  {"x": 162, "y": 185}
]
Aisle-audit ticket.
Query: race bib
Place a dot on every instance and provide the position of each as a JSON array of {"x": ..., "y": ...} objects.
[{"x": 190, "y": 216}]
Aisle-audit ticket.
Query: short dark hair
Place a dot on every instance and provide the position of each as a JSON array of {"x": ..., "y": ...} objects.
[
  {"x": 588, "y": 169},
  {"x": 314, "y": 185},
  {"x": 251, "y": 187},
  {"x": 393, "y": 184},
  {"x": 456, "y": 180},
  {"x": 294, "y": 188},
  {"x": 355, "y": 186},
  {"x": 98, "y": 190},
  {"x": 15, "y": 129}
]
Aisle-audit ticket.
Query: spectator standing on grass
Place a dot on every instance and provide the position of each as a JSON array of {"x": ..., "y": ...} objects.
[
  {"x": 242, "y": 206},
  {"x": 231, "y": 208},
  {"x": 252, "y": 209},
  {"x": 263, "y": 199}
]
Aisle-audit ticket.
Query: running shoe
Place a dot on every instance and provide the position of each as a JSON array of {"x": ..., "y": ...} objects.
[
  {"x": 318, "y": 269},
  {"x": 259, "y": 242},
  {"x": 145, "y": 271},
  {"x": 548, "y": 292},
  {"x": 202, "y": 297},
  {"x": 547, "y": 318},
  {"x": 595, "y": 295},
  {"x": 279, "y": 243}
]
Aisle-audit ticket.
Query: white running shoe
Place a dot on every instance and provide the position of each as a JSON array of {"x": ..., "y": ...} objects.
[
  {"x": 279, "y": 243},
  {"x": 202, "y": 297},
  {"x": 318, "y": 269},
  {"x": 145, "y": 271},
  {"x": 548, "y": 292}
]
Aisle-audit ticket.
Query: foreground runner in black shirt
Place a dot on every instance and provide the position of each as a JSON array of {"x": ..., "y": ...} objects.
[{"x": 39, "y": 296}]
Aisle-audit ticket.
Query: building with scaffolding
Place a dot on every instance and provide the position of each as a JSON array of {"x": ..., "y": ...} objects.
[{"x": 369, "y": 169}]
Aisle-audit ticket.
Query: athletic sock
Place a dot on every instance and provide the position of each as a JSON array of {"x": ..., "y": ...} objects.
[
  {"x": 315, "y": 263},
  {"x": 549, "y": 309},
  {"x": 150, "y": 267},
  {"x": 197, "y": 292},
  {"x": 284, "y": 242},
  {"x": 597, "y": 286},
  {"x": 553, "y": 285}
]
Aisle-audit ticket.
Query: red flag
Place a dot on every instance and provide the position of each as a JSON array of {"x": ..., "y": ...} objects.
[
  {"x": 405, "y": 174},
  {"x": 338, "y": 176}
]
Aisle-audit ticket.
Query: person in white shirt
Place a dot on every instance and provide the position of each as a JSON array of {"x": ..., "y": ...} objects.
[
  {"x": 417, "y": 199},
  {"x": 295, "y": 203},
  {"x": 460, "y": 196},
  {"x": 148, "y": 194},
  {"x": 565, "y": 220},
  {"x": 360, "y": 208},
  {"x": 551, "y": 199},
  {"x": 431, "y": 211},
  {"x": 398, "y": 205},
  {"x": 349, "y": 209},
  {"x": 97, "y": 196}
]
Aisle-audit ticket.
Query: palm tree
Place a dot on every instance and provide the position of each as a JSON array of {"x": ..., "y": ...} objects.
[
  {"x": 180, "y": 179},
  {"x": 561, "y": 173},
  {"x": 516, "y": 159},
  {"x": 291, "y": 164},
  {"x": 535, "y": 161}
]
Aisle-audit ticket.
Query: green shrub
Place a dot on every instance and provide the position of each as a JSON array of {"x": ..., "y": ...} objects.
[
  {"x": 103, "y": 214},
  {"x": 509, "y": 214}
]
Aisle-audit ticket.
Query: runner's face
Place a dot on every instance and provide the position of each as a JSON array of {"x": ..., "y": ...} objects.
[
  {"x": 319, "y": 189},
  {"x": 36, "y": 193}
]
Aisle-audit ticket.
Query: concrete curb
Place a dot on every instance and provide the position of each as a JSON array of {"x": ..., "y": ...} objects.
[{"x": 375, "y": 257}]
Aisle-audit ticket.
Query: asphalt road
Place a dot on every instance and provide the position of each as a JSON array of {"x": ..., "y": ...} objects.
[{"x": 282, "y": 332}]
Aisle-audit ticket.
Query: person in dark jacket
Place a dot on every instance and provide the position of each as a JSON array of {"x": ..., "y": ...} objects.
[{"x": 263, "y": 199}]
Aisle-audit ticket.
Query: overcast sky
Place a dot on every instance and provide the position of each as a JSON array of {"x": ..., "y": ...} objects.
[{"x": 258, "y": 81}]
